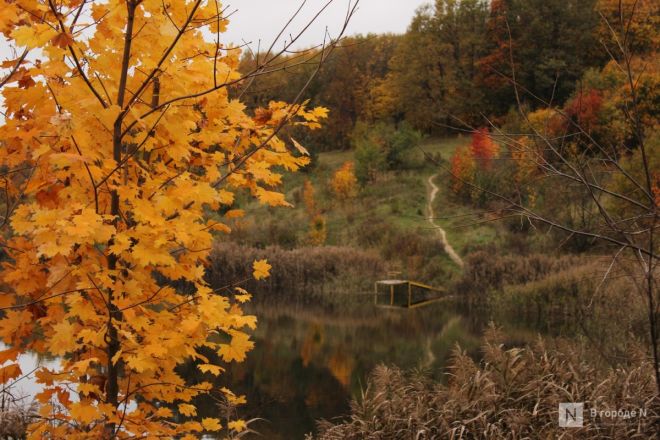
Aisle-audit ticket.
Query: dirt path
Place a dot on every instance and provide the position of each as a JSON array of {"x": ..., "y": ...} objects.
[{"x": 441, "y": 232}]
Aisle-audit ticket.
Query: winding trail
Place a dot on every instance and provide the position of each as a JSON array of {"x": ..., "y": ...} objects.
[{"x": 441, "y": 232}]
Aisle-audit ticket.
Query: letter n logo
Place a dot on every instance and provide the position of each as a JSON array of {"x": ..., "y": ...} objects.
[{"x": 571, "y": 415}]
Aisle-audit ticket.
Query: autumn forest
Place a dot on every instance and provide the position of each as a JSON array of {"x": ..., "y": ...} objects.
[{"x": 443, "y": 233}]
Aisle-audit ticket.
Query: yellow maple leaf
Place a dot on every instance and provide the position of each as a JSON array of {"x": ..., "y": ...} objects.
[
  {"x": 210, "y": 368},
  {"x": 9, "y": 372},
  {"x": 84, "y": 412},
  {"x": 243, "y": 298},
  {"x": 86, "y": 389},
  {"x": 164, "y": 412},
  {"x": 187, "y": 409},
  {"x": 233, "y": 398},
  {"x": 36, "y": 35},
  {"x": 261, "y": 269},
  {"x": 63, "y": 340},
  {"x": 8, "y": 355},
  {"x": 211, "y": 424},
  {"x": 237, "y": 349},
  {"x": 237, "y": 425},
  {"x": 271, "y": 198}
]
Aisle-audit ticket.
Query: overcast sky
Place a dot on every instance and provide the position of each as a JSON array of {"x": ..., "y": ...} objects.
[
  {"x": 263, "y": 19},
  {"x": 255, "y": 20}
]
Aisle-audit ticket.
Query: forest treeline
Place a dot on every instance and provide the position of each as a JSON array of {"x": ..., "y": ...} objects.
[{"x": 455, "y": 67}]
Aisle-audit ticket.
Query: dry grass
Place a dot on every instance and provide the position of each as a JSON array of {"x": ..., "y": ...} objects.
[
  {"x": 298, "y": 272},
  {"x": 510, "y": 394},
  {"x": 15, "y": 418},
  {"x": 487, "y": 270}
]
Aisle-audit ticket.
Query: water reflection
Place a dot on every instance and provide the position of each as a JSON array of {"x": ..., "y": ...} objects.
[{"x": 308, "y": 364}]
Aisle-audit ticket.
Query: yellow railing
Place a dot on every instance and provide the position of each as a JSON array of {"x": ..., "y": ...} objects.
[{"x": 409, "y": 285}]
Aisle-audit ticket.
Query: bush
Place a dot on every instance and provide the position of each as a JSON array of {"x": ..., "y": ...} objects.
[
  {"x": 370, "y": 161},
  {"x": 382, "y": 147},
  {"x": 344, "y": 182}
]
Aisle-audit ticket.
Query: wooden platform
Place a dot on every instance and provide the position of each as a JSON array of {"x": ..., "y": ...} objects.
[{"x": 400, "y": 294}]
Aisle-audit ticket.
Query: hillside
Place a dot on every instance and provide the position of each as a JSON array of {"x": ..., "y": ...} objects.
[{"x": 387, "y": 216}]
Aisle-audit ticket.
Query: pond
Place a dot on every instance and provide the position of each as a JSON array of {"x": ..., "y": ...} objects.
[{"x": 308, "y": 364}]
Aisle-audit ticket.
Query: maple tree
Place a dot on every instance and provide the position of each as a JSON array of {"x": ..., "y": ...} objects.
[
  {"x": 120, "y": 136},
  {"x": 585, "y": 108},
  {"x": 466, "y": 161}
]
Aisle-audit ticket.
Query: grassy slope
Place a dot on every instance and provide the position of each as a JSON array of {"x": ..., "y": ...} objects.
[
  {"x": 465, "y": 228},
  {"x": 395, "y": 202}
]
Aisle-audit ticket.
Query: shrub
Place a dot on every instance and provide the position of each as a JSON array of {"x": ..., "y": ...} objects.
[
  {"x": 382, "y": 147},
  {"x": 370, "y": 161},
  {"x": 318, "y": 232},
  {"x": 344, "y": 182},
  {"x": 473, "y": 174}
]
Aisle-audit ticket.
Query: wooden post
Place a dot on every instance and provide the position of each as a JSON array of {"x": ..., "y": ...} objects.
[
  {"x": 391, "y": 294},
  {"x": 409, "y": 294},
  {"x": 376, "y": 293}
]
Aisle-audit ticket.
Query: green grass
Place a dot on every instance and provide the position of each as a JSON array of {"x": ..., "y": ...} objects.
[
  {"x": 443, "y": 146},
  {"x": 395, "y": 204}
]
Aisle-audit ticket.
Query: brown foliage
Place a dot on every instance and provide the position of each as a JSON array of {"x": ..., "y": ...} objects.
[
  {"x": 303, "y": 271},
  {"x": 485, "y": 270},
  {"x": 510, "y": 394}
]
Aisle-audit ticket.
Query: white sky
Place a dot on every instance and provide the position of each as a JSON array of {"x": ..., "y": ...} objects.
[
  {"x": 263, "y": 19},
  {"x": 255, "y": 20}
]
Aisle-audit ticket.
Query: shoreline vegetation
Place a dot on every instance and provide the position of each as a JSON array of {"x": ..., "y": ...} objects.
[
  {"x": 511, "y": 393},
  {"x": 553, "y": 320}
]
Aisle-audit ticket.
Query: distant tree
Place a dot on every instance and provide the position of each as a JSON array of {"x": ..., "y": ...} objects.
[
  {"x": 483, "y": 148},
  {"x": 370, "y": 161},
  {"x": 382, "y": 146},
  {"x": 435, "y": 65},
  {"x": 462, "y": 170},
  {"x": 546, "y": 45},
  {"x": 350, "y": 84}
]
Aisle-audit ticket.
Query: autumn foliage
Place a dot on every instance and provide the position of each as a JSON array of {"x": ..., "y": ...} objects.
[
  {"x": 120, "y": 135},
  {"x": 482, "y": 148},
  {"x": 478, "y": 156},
  {"x": 317, "y": 233},
  {"x": 585, "y": 108},
  {"x": 344, "y": 183}
]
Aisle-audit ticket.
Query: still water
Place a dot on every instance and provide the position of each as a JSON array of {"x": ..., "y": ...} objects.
[{"x": 309, "y": 364}]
